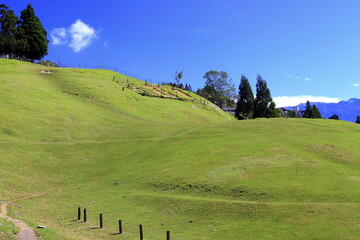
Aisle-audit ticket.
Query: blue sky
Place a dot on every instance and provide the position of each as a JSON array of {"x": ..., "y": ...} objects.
[{"x": 301, "y": 48}]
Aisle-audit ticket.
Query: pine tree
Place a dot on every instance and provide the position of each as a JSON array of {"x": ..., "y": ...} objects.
[
  {"x": 245, "y": 103},
  {"x": 309, "y": 113},
  {"x": 316, "y": 112},
  {"x": 358, "y": 119},
  {"x": 335, "y": 116},
  {"x": 190, "y": 88},
  {"x": 8, "y": 21},
  {"x": 31, "y": 35},
  {"x": 263, "y": 104}
]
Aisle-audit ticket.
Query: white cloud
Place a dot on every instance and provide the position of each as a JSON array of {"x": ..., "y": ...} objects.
[
  {"x": 307, "y": 79},
  {"x": 288, "y": 101},
  {"x": 78, "y": 36},
  {"x": 356, "y": 85},
  {"x": 81, "y": 35},
  {"x": 58, "y": 36}
]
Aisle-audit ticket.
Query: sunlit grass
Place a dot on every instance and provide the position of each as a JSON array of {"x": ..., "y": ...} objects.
[{"x": 75, "y": 138}]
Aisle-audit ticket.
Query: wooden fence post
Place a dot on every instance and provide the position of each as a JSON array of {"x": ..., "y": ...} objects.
[
  {"x": 84, "y": 214},
  {"x": 79, "y": 213},
  {"x": 120, "y": 227},
  {"x": 141, "y": 232}
]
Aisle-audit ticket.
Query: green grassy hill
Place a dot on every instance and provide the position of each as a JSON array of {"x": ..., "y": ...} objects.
[{"x": 74, "y": 137}]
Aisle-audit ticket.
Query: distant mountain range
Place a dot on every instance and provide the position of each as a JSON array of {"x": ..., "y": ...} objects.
[{"x": 346, "y": 110}]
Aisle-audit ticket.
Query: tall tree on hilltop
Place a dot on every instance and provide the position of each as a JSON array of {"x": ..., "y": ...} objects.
[
  {"x": 178, "y": 76},
  {"x": 263, "y": 104},
  {"x": 31, "y": 35},
  {"x": 245, "y": 103},
  {"x": 8, "y": 21},
  {"x": 218, "y": 88}
]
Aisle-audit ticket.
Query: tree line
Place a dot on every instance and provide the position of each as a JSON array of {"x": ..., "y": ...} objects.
[
  {"x": 23, "y": 36},
  {"x": 261, "y": 106},
  {"x": 220, "y": 90}
]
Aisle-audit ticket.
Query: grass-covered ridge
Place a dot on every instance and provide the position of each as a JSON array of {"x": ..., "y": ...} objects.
[{"x": 73, "y": 137}]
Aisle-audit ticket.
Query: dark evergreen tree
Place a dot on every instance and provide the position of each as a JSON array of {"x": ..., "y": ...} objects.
[
  {"x": 311, "y": 111},
  {"x": 190, "y": 88},
  {"x": 8, "y": 22},
  {"x": 31, "y": 36},
  {"x": 358, "y": 119},
  {"x": 316, "y": 112},
  {"x": 245, "y": 103},
  {"x": 335, "y": 116},
  {"x": 263, "y": 104},
  {"x": 218, "y": 89}
]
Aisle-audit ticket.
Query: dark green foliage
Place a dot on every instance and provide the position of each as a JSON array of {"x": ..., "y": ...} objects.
[
  {"x": 308, "y": 111},
  {"x": 311, "y": 111},
  {"x": 263, "y": 104},
  {"x": 49, "y": 63},
  {"x": 218, "y": 88},
  {"x": 272, "y": 111},
  {"x": 335, "y": 116},
  {"x": 292, "y": 114},
  {"x": 8, "y": 21},
  {"x": 31, "y": 36},
  {"x": 188, "y": 87},
  {"x": 245, "y": 103},
  {"x": 317, "y": 113},
  {"x": 180, "y": 85},
  {"x": 358, "y": 119}
]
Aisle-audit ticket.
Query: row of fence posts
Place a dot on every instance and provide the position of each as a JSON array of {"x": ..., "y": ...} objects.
[{"x": 141, "y": 232}]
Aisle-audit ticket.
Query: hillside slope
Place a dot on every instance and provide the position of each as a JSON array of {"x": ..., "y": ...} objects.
[{"x": 74, "y": 138}]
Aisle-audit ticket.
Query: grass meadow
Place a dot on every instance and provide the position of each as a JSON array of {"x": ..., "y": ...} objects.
[{"x": 77, "y": 137}]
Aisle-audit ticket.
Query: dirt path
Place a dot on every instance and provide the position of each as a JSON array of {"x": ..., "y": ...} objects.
[{"x": 25, "y": 233}]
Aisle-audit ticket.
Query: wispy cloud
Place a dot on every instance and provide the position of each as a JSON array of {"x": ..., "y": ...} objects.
[
  {"x": 356, "y": 85},
  {"x": 296, "y": 77},
  {"x": 59, "y": 36},
  {"x": 106, "y": 44},
  {"x": 285, "y": 101},
  {"x": 78, "y": 36}
]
